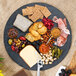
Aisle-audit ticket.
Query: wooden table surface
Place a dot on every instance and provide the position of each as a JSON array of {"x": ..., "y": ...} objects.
[{"x": 7, "y": 7}]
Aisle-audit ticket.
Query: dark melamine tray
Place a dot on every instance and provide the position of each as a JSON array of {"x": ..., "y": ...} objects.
[{"x": 15, "y": 57}]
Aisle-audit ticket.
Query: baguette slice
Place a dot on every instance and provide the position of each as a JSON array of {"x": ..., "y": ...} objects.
[
  {"x": 22, "y": 23},
  {"x": 30, "y": 55}
]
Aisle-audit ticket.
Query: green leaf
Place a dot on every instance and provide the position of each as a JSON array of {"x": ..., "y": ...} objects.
[{"x": 1, "y": 58}]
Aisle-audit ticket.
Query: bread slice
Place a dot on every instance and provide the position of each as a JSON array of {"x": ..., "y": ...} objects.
[
  {"x": 30, "y": 55},
  {"x": 22, "y": 23}
]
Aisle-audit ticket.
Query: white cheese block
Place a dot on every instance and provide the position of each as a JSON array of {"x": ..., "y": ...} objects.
[
  {"x": 22, "y": 23},
  {"x": 30, "y": 55}
]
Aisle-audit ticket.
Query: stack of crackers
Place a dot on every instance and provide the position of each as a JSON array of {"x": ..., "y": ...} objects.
[{"x": 36, "y": 12}]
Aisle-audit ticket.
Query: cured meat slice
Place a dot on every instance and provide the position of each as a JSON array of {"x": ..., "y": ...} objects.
[
  {"x": 55, "y": 18},
  {"x": 61, "y": 24},
  {"x": 64, "y": 34},
  {"x": 61, "y": 41},
  {"x": 64, "y": 20}
]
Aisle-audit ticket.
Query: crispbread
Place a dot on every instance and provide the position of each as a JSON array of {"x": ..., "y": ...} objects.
[
  {"x": 44, "y": 10},
  {"x": 39, "y": 7},
  {"x": 36, "y": 12},
  {"x": 27, "y": 11},
  {"x": 41, "y": 16},
  {"x": 36, "y": 15}
]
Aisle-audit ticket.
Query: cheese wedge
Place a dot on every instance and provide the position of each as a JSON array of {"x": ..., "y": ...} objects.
[{"x": 30, "y": 55}]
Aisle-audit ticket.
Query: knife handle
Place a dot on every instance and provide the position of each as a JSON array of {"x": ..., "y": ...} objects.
[{"x": 38, "y": 71}]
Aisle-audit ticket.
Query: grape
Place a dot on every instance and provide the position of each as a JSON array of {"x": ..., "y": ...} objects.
[
  {"x": 24, "y": 42},
  {"x": 14, "y": 44},
  {"x": 16, "y": 48},
  {"x": 60, "y": 74},
  {"x": 20, "y": 48},
  {"x": 17, "y": 51},
  {"x": 63, "y": 70},
  {"x": 69, "y": 71}
]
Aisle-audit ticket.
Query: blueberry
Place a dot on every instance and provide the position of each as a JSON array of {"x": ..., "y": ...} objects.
[
  {"x": 60, "y": 74},
  {"x": 17, "y": 51},
  {"x": 69, "y": 71},
  {"x": 66, "y": 74},
  {"x": 63, "y": 71}
]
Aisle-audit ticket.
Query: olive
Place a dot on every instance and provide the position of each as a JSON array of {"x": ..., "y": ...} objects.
[
  {"x": 16, "y": 48},
  {"x": 23, "y": 45},
  {"x": 10, "y": 41},
  {"x": 14, "y": 44}
]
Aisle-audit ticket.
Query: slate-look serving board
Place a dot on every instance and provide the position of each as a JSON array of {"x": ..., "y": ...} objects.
[{"x": 15, "y": 56}]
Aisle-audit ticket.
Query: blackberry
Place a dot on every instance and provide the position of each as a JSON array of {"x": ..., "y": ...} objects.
[
  {"x": 63, "y": 71},
  {"x": 60, "y": 74},
  {"x": 69, "y": 71}
]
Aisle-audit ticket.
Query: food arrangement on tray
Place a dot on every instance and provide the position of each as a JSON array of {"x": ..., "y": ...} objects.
[{"x": 39, "y": 29}]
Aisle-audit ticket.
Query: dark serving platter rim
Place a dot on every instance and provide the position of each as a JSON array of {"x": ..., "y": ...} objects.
[{"x": 15, "y": 57}]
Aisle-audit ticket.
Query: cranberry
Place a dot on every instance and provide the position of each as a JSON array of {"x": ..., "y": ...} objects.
[
  {"x": 49, "y": 27},
  {"x": 48, "y": 23},
  {"x": 44, "y": 19},
  {"x": 50, "y": 20}
]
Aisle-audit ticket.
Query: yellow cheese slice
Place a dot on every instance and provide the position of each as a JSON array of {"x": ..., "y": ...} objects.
[{"x": 30, "y": 55}]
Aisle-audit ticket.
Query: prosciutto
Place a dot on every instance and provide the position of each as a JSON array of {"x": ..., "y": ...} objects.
[{"x": 62, "y": 25}]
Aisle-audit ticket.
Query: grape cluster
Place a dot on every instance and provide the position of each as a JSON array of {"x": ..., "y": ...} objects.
[{"x": 65, "y": 73}]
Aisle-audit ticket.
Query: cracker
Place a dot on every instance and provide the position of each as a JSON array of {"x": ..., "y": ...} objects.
[
  {"x": 41, "y": 16},
  {"x": 36, "y": 15},
  {"x": 39, "y": 7},
  {"x": 46, "y": 12},
  {"x": 27, "y": 11}
]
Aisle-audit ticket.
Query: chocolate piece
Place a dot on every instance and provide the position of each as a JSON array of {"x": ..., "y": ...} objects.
[{"x": 21, "y": 73}]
